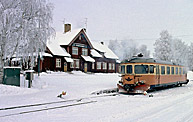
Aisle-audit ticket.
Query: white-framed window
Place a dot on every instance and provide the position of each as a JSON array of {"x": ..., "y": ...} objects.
[
  {"x": 93, "y": 65},
  {"x": 58, "y": 63},
  {"x": 98, "y": 65},
  {"x": 76, "y": 63},
  {"x": 75, "y": 50},
  {"x": 72, "y": 65},
  {"x": 84, "y": 51},
  {"x": 109, "y": 66},
  {"x": 113, "y": 66},
  {"x": 104, "y": 65}
]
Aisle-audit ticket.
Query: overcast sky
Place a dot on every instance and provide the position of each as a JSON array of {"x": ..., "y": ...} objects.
[{"x": 141, "y": 20}]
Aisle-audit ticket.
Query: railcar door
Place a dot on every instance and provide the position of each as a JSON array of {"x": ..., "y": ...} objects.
[{"x": 157, "y": 74}]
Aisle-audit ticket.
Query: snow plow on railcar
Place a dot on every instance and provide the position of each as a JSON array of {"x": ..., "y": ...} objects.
[{"x": 139, "y": 75}]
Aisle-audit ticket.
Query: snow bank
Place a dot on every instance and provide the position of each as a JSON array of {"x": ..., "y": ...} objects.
[
  {"x": 6, "y": 90},
  {"x": 174, "y": 104},
  {"x": 190, "y": 75}
]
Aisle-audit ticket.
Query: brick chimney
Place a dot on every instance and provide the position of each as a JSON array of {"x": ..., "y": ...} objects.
[{"x": 67, "y": 28}]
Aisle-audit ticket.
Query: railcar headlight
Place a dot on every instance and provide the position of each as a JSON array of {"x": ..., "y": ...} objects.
[{"x": 142, "y": 81}]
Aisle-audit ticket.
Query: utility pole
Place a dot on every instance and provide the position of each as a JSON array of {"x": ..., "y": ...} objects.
[
  {"x": 39, "y": 62},
  {"x": 64, "y": 24},
  {"x": 86, "y": 22}
]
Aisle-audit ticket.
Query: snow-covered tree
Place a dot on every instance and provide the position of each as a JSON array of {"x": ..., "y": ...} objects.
[
  {"x": 163, "y": 47},
  {"x": 143, "y": 49},
  {"x": 129, "y": 49},
  {"x": 190, "y": 57},
  {"x": 180, "y": 52},
  {"x": 24, "y": 28},
  {"x": 126, "y": 49},
  {"x": 172, "y": 49}
]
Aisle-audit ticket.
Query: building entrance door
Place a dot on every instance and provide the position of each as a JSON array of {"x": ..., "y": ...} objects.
[
  {"x": 65, "y": 67},
  {"x": 85, "y": 67}
]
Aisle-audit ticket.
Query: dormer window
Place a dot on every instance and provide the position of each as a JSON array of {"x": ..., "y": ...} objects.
[
  {"x": 74, "y": 50},
  {"x": 84, "y": 51}
]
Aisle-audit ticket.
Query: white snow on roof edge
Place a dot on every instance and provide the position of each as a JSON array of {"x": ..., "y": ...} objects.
[
  {"x": 56, "y": 49},
  {"x": 104, "y": 49}
]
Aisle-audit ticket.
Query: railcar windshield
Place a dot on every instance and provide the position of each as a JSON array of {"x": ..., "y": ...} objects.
[
  {"x": 151, "y": 69},
  {"x": 129, "y": 69},
  {"x": 123, "y": 69},
  {"x": 141, "y": 69}
]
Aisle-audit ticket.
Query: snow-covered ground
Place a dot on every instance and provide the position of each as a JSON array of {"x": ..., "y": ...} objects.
[{"x": 174, "y": 104}]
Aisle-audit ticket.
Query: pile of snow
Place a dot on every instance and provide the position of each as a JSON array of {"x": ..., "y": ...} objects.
[
  {"x": 190, "y": 75},
  {"x": 6, "y": 90}
]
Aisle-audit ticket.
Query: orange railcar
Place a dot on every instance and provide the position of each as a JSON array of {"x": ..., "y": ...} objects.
[{"x": 141, "y": 74}]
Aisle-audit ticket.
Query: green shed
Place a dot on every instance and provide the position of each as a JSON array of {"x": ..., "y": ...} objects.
[{"x": 11, "y": 76}]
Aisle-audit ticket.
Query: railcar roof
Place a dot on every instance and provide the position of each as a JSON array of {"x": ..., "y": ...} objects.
[{"x": 147, "y": 60}]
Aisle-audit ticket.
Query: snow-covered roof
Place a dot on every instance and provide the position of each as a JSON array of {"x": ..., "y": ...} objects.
[
  {"x": 118, "y": 61},
  {"x": 88, "y": 58},
  {"x": 7, "y": 67},
  {"x": 66, "y": 38},
  {"x": 68, "y": 59},
  {"x": 46, "y": 54},
  {"x": 94, "y": 53},
  {"x": 98, "y": 46},
  {"x": 56, "y": 49},
  {"x": 16, "y": 59},
  {"x": 103, "y": 48}
]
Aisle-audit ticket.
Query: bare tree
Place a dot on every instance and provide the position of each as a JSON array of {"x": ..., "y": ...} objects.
[{"x": 24, "y": 28}]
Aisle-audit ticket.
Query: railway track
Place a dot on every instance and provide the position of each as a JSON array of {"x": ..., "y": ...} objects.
[
  {"x": 50, "y": 108},
  {"x": 42, "y": 105}
]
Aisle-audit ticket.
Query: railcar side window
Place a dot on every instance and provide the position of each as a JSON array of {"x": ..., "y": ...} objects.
[
  {"x": 180, "y": 70},
  {"x": 129, "y": 69},
  {"x": 141, "y": 69},
  {"x": 172, "y": 70},
  {"x": 163, "y": 70},
  {"x": 151, "y": 69},
  {"x": 176, "y": 70},
  {"x": 184, "y": 72},
  {"x": 168, "y": 70},
  {"x": 123, "y": 69}
]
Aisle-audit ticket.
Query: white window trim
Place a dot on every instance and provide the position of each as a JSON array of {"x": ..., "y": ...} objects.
[
  {"x": 110, "y": 66},
  {"x": 74, "y": 48},
  {"x": 58, "y": 62},
  {"x": 85, "y": 50},
  {"x": 72, "y": 64},
  {"x": 98, "y": 65},
  {"x": 93, "y": 65},
  {"x": 113, "y": 66},
  {"x": 75, "y": 64},
  {"x": 104, "y": 65}
]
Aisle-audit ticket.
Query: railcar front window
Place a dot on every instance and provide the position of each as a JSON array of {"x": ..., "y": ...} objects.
[
  {"x": 141, "y": 69},
  {"x": 151, "y": 69},
  {"x": 129, "y": 69},
  {"x": 122, "y": 69}
]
